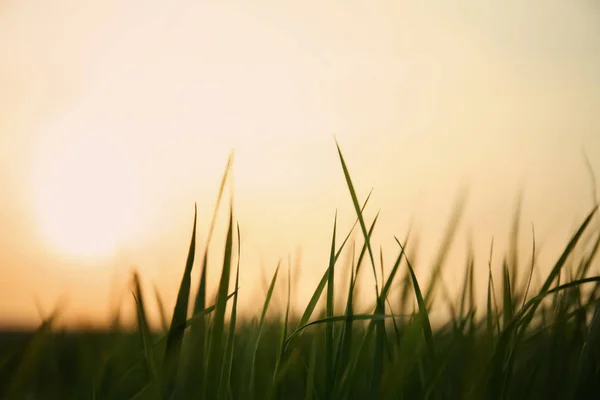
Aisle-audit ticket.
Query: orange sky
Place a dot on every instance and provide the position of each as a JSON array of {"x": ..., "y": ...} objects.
[{"x": 116, "y": 116}]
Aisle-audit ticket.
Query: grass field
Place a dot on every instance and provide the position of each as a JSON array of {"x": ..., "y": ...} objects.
[{"x": 519, "y": 344}]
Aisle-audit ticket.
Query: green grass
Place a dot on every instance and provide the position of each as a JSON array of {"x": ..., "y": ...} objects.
[{"x": 521, "y": 343}]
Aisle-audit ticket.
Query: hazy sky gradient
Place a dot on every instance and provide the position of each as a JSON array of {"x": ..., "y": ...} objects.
[{"x": 145, "y": 99}]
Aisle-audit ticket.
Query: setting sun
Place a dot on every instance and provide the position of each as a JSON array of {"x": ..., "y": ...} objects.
[{"x": 87, "y": 198}]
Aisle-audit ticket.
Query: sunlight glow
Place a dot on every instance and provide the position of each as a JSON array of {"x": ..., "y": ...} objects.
[{"x": 87, "y": 199}]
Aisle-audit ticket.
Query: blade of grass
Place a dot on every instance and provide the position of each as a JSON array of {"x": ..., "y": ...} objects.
[
  {"x": 587, "y": 263},
  {"x": 445, "y": 246},
  {"x": 162, "y": 310},
  {"x": 345, "y": 343},
  {"x": 312, "y": 304},
  {"x": 494, "y": 299},
  {"x": 388, "y": 284},
  {"x": 251, "y": 389},
  {"x": 507, "y": 296},
  {"x": 177, "y": 327},
  {"x": 489, "y": 315},
  {"x": 277, "y": 374},
  {"x": 423, "y": 313},
  {"x": 341, "y": 318},
  {"x": 226, "y": 372},
  {"x": 514, "y": 244},
  {"x": 310, "y": 376},
  {"x": 532, "y": 267},
  {"x": 406, "y": 281},
  {"x": 145, "y": 334},
  {"x": 329, "y": 328},
  {"x": 467, "y": 288},
  {"x": 215, "y": 350},
  {"x": 337, "y": 254},
  {"x": 194, "y": 367},
  {"x": 347, "y": 334},
  {"x": 359, "y": 214},
  {"x": 200, "y": 301}
]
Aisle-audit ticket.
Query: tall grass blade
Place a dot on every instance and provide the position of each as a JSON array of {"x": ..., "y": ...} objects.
[
  {"x": 310, "y": 376},
  {"x": 342, "y": 246},
  {"x": 514, "y": 244},
  {"x": 177, "y": 327},
  {"x": 215, "y": 350},
  {"x": 164, "y": 320},
  {"x": 280, "y": 354},
  {"x": 146, "y": 335},
  {"x": 507, "y": 296},
  {"x": 226, "y": 371},
  {"x": 359, "y": 214},
  {"x": 345, "y": 342},
  {"x": 329, "y": 329},
  {"x": 200, "y": 302},
  {"x": 259, "y": 333},
  {"x": 440, "y": 259},
  {"x": 526, "y": 293},
  {"x": 490, "y": 314},
  {"x": 423, "y": 314},
  {"x": 388, "y": 283},
  {"x": 312, "y": 304},
  {"x": 195, "y": 361}
]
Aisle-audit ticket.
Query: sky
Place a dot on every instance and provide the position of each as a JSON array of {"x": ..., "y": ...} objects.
[{"x": 117, "y": 116}]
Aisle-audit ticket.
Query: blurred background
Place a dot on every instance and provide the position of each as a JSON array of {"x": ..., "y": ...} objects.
[{"x": 116, "y": 116}]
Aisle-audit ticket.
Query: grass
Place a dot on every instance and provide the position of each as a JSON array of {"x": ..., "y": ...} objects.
[{"x": 520, "y": 344}]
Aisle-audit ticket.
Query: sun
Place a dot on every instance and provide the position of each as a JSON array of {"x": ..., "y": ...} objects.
[{"x": 85, "y": 190}]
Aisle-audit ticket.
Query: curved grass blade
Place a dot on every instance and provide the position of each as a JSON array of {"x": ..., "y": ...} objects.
[
  {"x": 312, "y": 304},
  {"x": 215, "y": 351},
  {"x": 388, "y": 284},
  {"x": 424, "y": 315},
  {"x": 279, "y": 372},
  {"x": 329, "y": 328},
  {"x": 337, "y": 254},
  {"x": 363, "y": 250},
  {"x": 570, "y": 246},
  {"x": 161, "y": 309},
  {"x": 200, "y": 301},
  {"x": 226, "y": 372},
  {"x": 514, "y": 246},
  {"x": 440, "y": 259},
  {"x": 532, "y": 267},
  {"x": 259, "y": 332},
  {"x": 342, "y": 318},
  {"x": 178, "y": 322},
  {"x": 194, "y": 367},
  {"x": 359, "y": 214},
  {"x": 345, "y": 342},
  {"x": 507, "y": 313},
  {"x": 145, "y": 334}
]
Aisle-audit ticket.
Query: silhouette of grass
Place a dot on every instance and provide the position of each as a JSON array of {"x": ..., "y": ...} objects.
[{"x": 543, "y": 344}]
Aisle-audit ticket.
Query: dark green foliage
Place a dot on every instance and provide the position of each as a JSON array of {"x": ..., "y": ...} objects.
[{"x": 523, "y": 342}]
